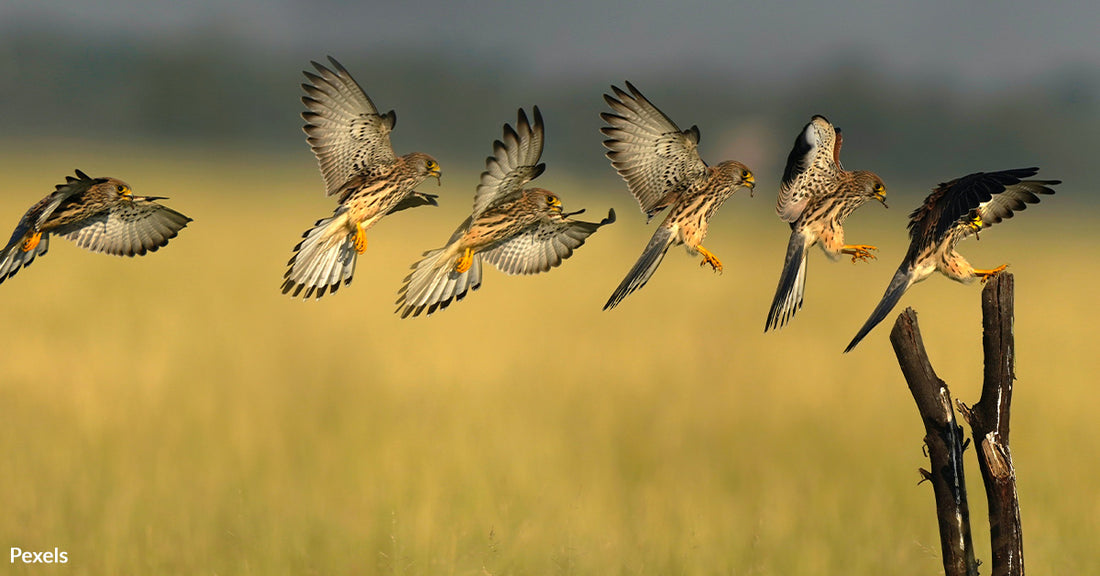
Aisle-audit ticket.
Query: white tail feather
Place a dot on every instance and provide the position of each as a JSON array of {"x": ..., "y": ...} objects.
[
  {"x": 434, "y": 284},
  {"x": 323, "y": 261}
]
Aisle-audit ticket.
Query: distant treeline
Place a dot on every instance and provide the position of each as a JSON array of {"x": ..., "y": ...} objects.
[{"x": 214, "y": 90}]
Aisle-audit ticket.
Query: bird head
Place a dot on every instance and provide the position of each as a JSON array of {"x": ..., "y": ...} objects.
[
  {"x": 873, "y": 187},
  {"x": 974, "y": 222},
  {"x": 117, "y": 187},
  {"x": 738, "y": 174},
  {"x": 427, "y": 167},
  {"x": 122, "y": 190},
  {"x": 545, "y": 200}
]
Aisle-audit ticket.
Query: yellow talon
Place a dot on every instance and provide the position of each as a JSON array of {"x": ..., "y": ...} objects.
[
  {"x": 32, "y": 242},
  {"x": 465, "y": 261},
  {"x": 360, "y": 240},
  {"x": 859, "y": 252},
  {"x": 710, "y": 258},
  {"x": 987, "y": 274}
]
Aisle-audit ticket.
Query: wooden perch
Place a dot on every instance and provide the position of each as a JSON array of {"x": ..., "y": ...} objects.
[
  {"x": 944, "y": 441},
  {"x": 989, "y": 424}
]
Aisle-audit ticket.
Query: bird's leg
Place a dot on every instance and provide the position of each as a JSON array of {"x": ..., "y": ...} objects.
[
  {"x": 465, "y": 261},
  {"x": 32, "y": 242},
  {"x": 709, "y": 258},
  {"x": 987, "y": 274},
  {"x": 859, "y": 252},
  {"x": 360, "y": 239}
]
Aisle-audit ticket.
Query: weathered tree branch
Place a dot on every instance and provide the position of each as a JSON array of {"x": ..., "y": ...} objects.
[
  {"x": 989, "y": 424},
  {"x": 944, "y": 440}
]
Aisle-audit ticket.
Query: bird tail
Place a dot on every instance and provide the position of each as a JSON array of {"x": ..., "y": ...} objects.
[
  {"x": 434, "y": 284},
  {"x": 322, "y": 261},
  {"x": 792, "y": 284},
  {"x": 645, "y": 266},
  {"x": 13, "y": 258},
  {"x": 903, "y": 279}
]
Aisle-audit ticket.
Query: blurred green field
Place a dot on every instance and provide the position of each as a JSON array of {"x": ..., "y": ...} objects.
[{"x": 176, "y": 414}]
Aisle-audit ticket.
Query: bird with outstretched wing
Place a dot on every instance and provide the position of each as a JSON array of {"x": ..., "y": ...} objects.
[
  {"x": 98, "y": 214},
  {"x": 517, "y": 230},
  {"x": 816, "y": 196},
  {"x": 662, "y": 168},
  {"x": 953, "y": 211}
]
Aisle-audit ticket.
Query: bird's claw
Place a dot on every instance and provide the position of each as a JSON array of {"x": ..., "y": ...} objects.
[
  {"x": 32, "y": 242},
  {"x": 360, "y": 240},
  {"x": 464, "y": 262},
  {"x": 860, "y": 252},
  {"x": 710, "y": 258},
  {"x": 987, "y": 274}
]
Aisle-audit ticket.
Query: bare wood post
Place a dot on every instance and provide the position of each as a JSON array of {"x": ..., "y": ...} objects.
[
  {"x": 989, "y": 424},
  {"x": 944, "y": 440}
]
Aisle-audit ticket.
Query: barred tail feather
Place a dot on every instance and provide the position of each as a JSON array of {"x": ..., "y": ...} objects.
[
  {"x": 644, "y": 268},
  {"x": 322, "y": 262},
  {"x": 434, "y": 285},
  {"x": 903, "y": 279},
  {"x": 792, "y": 284}
]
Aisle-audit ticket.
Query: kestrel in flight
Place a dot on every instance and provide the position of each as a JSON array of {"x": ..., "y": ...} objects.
[
  {"x": 953, "y": 211},
  {"x": 518, "y": 230},
  {"x": 352, "y": 143},
  {"x": 98, "y": 214},
  {"x": 662, "y": 168},
  {"x": 815, "y": 198}
]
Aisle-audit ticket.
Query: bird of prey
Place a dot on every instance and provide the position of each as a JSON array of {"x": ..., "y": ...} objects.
[
  {"x": 662, "y": 168},
  {"x": 953, "y": 211},
  {"x": 518, "y": 230},
  {"x": 816, "y": 196},
  {"x": 351, "y": 141},
  {"x": 98, "y": 214}
]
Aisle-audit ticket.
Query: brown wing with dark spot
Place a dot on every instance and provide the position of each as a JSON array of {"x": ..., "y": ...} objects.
[
  {"x": 994, "y": 195},
  {"x": 128, "y": 228},
  {"x": 343, "y": 127},
  {"x": 515, "y": 161},
  {"x": 812, "y": 165},
  {"x": 544, "y": 246},
  {"x": 649, "y": 150}
]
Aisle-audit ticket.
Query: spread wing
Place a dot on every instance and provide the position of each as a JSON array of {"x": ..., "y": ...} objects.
[
  {"x": 543, "y": 246},
  {"x": 515, "y": 161},
  {"x": 812, "y": 166},
  {"x": 648, "y": 150},
  {"x": 1014, "y": 199},
  {"x": 128, "y": 228},
  {"x": 343, "y": 127},
  {"x": 994, "y": 196}
]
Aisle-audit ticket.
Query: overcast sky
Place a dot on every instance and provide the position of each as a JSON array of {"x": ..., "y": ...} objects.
[{"x": 979, "y": 45}]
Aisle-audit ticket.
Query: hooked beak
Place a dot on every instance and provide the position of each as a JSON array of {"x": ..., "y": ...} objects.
[
  {"x": 750, "y": 183},
  {"x": 438, "y": 175},
  {"x": 881, "y": 197}
]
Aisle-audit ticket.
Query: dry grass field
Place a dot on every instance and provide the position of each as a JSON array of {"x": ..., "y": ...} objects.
[{"x": 176, "y": 414}]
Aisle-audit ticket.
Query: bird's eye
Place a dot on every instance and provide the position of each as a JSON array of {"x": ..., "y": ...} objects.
[
  {"x": 120, "y": 188},
  {"x": 431, "y": 164},
  {"x": 551, "y": 200},
  {"x": 879, "y": 188},
  {"x": 745, "y": 174}
]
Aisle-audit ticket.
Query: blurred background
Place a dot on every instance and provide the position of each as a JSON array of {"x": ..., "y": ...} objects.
[{"x": 176, "y": 414}]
